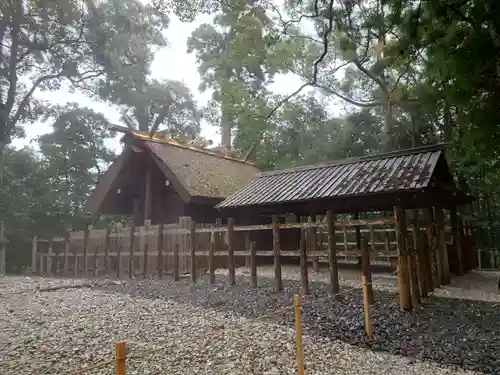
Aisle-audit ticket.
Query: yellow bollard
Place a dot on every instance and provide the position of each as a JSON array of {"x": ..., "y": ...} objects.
[
  {"x": 120, "y": 357},
  {"x": 366, "y": 304},
  {"x": 298, "y": 328}
]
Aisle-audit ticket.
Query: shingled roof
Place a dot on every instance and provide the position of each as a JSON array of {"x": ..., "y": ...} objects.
[
  {"x": 404, "y": 170},
  {"x": 196, "y": 172}
]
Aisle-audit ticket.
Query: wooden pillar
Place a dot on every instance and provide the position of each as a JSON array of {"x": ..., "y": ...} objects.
[
  {"x": 247, "y": 242},
  {"x": 332, "y": 253},
  {"x": 160, "y": 250},
  {"x": 366, "y": 269},
  {"x": 304, "y": 277},
  {"x": 86, "y": 234},
  {"x": 66, "y": 254},
  {"x": 192, "y": 249},
  {"x": 96, "y": 263},
  {"x": 49, "y": 259},
  {"x": 253, "y": 264},
  {"x": 358, "y": 232},
  {"x": 313, "y": 243},
  {"x": 230, "y": 251},
  {"x": 131, "y": 246},
  {"x": 211, "y": 259},
  {"x": 107, "y": 241},
  {"x": 433, "y": 242},
  {"x": 34, "y": 250},
  {"x": 442, "y": 247},
  {"x": 457, "y": 245},
  {"x": 404, "y": 280},
  {"x": 277, "y": 256},
  {"x": 417, "y": 283},
  {"x": 175, "y": 263},
  {"x": 148, "y": 191}
]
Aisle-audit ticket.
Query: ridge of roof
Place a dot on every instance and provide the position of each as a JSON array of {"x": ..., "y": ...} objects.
[
  {"x": 173, "y": 142},
  {"x": 391, "y": 154}
]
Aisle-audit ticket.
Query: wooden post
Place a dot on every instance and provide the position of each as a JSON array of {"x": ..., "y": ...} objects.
[
  {"x": 253, "y": 264},
  {"x": 211, "y": 258},
  {"x": 304, "y": 277},
  {"x": 403, "y": 275},
  {"x": 366, "y": 269},
  {"x": 230, "y": 251},
  {"x": 358, "y": 232},
  {"x": 120, "y": 358},
  {"x": 427, "y": 265},
  {"x": 277, "y": 256},
  {"x": 366, "y": 307},
  {"x": 313, "y": 247},
  {"x": 247, "y": 242},
  {"x": 298, "y": 331},
  {"x": 175, "y": 263},
  {"x": 192, "y": 248},
  {"x": 148, "y": 192},
  {"x": 66, "y": 253},
  {"x": 34, "y": 249},
  {"x": 86, "y": 234},
  {"x": 457, "y": 245},
  {"x": 442, "y": 247},
  {"x": 432, "y": 240},
  {"x": 417, "y": 289},
  {"x": 332, "y": 253},
  {"x": 160, "y": 250},
  {"x": 49, "y": 259},
  {"x": 96, "y": 264},
  {"x": 131, "y": 245},
  {"x": 145, "y": 235},
  {"x": 106, "y": 250}
]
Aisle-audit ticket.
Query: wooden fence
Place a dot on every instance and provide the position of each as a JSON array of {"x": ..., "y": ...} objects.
[{"x": 186, "y": 247}]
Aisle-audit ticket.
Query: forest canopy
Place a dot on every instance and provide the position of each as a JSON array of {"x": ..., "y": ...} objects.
[{"x": 375, "y": 76}]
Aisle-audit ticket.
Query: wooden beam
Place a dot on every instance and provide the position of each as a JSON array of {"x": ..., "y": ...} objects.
[
  {"x": 304, "y": 279},
  {"x": 457, "y": 243},
  {"x": 332, "y": 253},
  {"x": 253, "y": 264},
  {"x": 230, "y": 251},
  {"x": 148, "y": 191},
  {"x": 277, "y": 256},
  {"x": 366, "y": 269},
  {"x": 192, "y": 243},
  {"x": 442, "y": 247},
  {"x": 34, "y": 250},
  {"x": 404, "y": 281}
]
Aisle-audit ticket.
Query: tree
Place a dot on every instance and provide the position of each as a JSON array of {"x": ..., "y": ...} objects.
[{"x": 48, "y": 43}]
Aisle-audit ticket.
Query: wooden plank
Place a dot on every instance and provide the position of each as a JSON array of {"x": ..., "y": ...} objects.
[
  {"x": 175, "y": 263},
  {"x": 131, "y": 245},
  {"x": 230, "y": 251},
  {"x": 106, "y": 250},
  {"x": 85, "y": 250},
  {"x": 192, "y": 248},
  {"x": 278, "y": 283},
  {"x": 49, "y": 259},
  {"x": 412, "y": 264},
  {"x": 332, "y": 253},
  {"x": 304, "y": 277},
  {"x": 145, "y": 241},
  {"x": 160, "y": 250},
  {"x": 442, "y": 247},
  {"x": 366, "y": 269},
  {"x": 419, "y": 250},
  {"x": 34, "y": 250},
  {"x": 66, "y": 253},
  {"x": 211, "y": 259},
  {"x": 253, "y": 264},
  {"x": 404, "y": 282},
  {"x": 457, "y": 245}
]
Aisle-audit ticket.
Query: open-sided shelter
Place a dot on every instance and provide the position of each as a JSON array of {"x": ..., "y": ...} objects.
[
  {"x": 160, "y": 179},
  {"x": 414, "y": 178}
]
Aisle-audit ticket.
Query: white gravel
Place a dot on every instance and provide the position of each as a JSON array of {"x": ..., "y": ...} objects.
[{"x": 170, "y": 330}]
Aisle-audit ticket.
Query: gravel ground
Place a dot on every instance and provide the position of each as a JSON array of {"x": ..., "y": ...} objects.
[{"x": 174, "y": 328}]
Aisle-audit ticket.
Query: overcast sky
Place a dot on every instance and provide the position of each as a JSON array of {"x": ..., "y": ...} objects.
[{"x": 172, "y": 62}]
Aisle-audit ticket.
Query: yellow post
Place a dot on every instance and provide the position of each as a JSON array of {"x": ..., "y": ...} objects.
[
  {"x": 366, "y": 304},
  {"x": 121, "y": 355},
  {"x": 298, "y": 328}
]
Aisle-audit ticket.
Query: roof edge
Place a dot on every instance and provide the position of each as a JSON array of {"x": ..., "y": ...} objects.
[
  {"x": 173, "y": 142},
  {"x": 409, "y": 151}
]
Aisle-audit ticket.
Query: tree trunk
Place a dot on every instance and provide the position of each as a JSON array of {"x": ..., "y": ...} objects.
[{"x": 3, "y": 248}]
